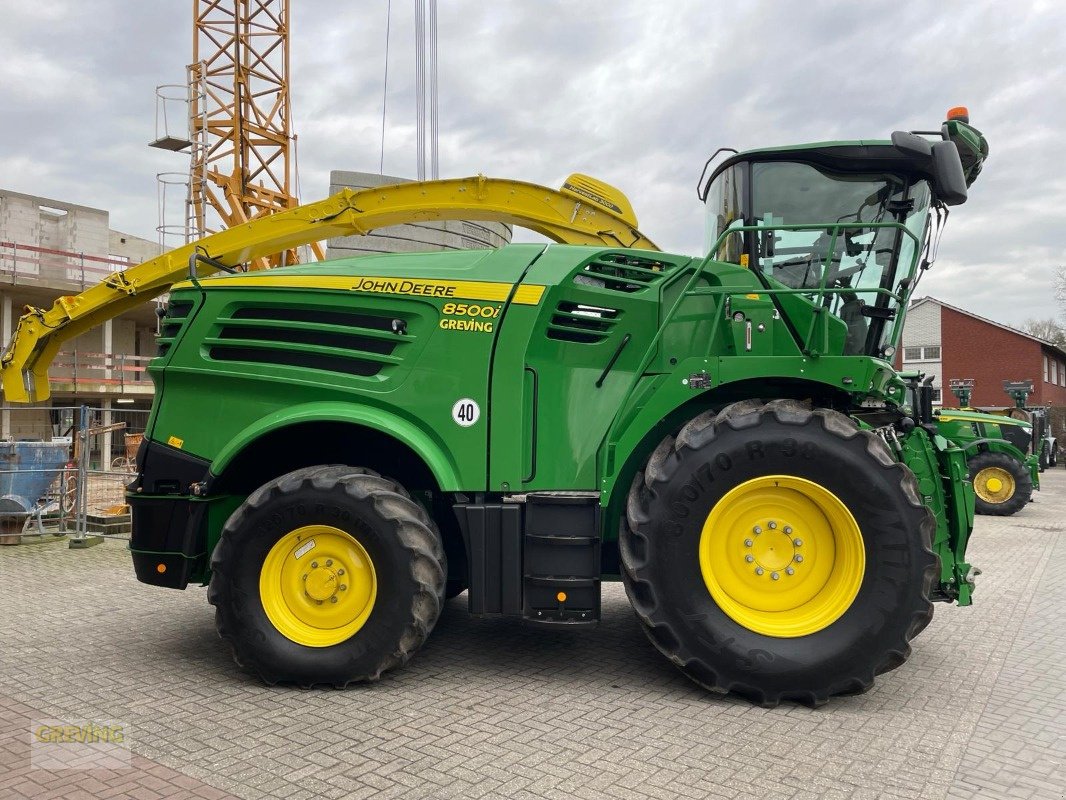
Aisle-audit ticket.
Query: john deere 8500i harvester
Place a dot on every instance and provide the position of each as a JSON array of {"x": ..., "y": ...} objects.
[{"x": 335, "y": 448}]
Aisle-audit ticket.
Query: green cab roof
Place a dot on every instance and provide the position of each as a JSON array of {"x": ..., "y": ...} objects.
[{"x": 863, "y": 155}]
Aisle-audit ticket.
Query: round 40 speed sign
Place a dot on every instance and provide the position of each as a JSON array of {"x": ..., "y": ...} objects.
[{"x": 466, "y": 412}]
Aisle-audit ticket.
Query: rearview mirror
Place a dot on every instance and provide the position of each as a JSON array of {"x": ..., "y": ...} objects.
[
  {"x": 950, "y": 179},
  {"x": 939, "y": 160}
]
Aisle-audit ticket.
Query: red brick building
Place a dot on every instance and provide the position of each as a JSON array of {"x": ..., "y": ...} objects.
[{"x": 943, "y": 340}]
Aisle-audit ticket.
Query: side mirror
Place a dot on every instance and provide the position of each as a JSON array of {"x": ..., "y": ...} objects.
[
  {"x": 939, "y": 159},
  {"x": 950, "y": 179}
]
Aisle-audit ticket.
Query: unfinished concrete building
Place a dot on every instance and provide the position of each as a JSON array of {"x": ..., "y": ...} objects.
[{"x": 50, "y": 248}]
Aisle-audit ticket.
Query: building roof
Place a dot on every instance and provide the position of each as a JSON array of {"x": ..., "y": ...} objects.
[{"x": 1044, "y": 342}]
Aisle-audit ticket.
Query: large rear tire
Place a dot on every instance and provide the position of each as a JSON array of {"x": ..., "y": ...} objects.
[
  {"x": 779, "y": 553},
  {"x": 327, "y": 575},
  {"x": 1002, "y": 485}
]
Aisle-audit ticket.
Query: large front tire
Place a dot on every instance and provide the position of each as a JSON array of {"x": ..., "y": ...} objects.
[
  {"x": 327, "y": 575},
  {"x": 739, "y": 604}
]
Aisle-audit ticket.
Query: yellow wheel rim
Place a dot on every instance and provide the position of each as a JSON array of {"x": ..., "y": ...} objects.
[
  {"x": 318, "y": 585},
  {"x": 994, "y": 485},
  {"x": 782, "y": 556}
]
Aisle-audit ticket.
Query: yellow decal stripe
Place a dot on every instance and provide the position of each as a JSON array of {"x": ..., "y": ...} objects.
[{"x": 526, "y": 294}]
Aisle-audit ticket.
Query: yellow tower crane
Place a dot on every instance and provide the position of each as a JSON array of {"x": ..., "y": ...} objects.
[{"x": 240, "y": 114}]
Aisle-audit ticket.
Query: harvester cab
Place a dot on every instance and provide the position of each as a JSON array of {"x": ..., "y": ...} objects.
[{"x": 843, "y": 226}]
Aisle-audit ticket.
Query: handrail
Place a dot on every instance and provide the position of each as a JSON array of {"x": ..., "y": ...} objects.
[
  {"x": 575, "y": 214},
  {"x": 691, "y": 290}
]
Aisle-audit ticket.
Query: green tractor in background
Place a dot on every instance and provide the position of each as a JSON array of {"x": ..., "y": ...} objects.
[
  {"x": 336, "y": 448},
  {"x": 1000, "y": 453}
]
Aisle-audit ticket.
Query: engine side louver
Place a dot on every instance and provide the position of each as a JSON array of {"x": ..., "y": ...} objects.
[
  {"x": 173, "y": 320},
  {"x": 621, "y": 272},
  {"x": 579, "y": 322},
  {"x": 347, "y": 342}
]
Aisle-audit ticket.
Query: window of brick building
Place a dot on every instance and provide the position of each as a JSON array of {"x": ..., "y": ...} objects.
[{"x": 921, "y": 353}]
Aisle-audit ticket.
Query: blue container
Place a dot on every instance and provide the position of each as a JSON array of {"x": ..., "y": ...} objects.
[{"x": 27, "y": 469}]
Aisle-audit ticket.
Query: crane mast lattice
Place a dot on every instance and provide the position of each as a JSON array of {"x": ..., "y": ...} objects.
[{"x": 243, "y": 149}]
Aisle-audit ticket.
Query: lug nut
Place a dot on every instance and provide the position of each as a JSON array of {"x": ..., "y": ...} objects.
[
  {"x": 340, "y": 571},
  {"x": 329, "y": 562},
  {"x": 748, "y": 542},
  {"x": 314, "y": 565},
  {"x": 799, "y": 559},
  {"x": 774, "y": 575},
  {"x": 790, "y": 571},
  {"x": 749, "y": 559},
  {"x": 343, "y": 587},
  {"x": 333, "y": 599},
  {"x": 797, "y": 542},
  {"x": 759, "y": 570},
  {"x": 772, "y": 525},
  {"x": 756, "y": 530},
  {"x": 788, "y": 529}
]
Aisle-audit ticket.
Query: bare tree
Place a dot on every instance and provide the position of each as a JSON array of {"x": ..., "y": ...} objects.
[
  {"x": 1060, "y": 289},
  {"x": 1047, "y": 329}
]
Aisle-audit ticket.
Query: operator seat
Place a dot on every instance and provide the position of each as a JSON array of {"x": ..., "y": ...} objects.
[{"x": 858, "y": 326}]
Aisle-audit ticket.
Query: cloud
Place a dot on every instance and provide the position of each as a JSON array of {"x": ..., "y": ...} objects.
[{"x": 634, "y": 93}]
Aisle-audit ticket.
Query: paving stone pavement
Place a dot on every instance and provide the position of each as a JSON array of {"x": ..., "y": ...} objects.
[{"x": 492, "y": 709}]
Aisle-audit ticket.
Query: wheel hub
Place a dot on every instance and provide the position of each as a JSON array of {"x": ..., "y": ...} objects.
[
  {"x": 774, "y": 550},
  {"x": 320, "y": 584}
]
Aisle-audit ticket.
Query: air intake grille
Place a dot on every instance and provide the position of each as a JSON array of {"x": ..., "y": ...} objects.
[
  {"x": 623, "y": 273},
  {"x": 578, "y": 322},
  {"x": 173, "y": 320},
  {"x": 345, "y": 342}
]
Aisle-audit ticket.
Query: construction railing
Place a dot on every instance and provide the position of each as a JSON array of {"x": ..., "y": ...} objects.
[
  {"x": 42, "y": 264},
  {"x": 117, "y": 370},
  {"x": 63, "y": 472}
]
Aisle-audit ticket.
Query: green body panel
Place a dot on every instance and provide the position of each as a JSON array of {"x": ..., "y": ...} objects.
[
  {"x": 403, "y": 399},
  {"x": 940, "y": 468},
  {"x": 976, "y": 431}
]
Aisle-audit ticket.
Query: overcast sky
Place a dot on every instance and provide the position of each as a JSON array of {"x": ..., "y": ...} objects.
[{"x": 634, "y": 92}]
